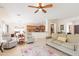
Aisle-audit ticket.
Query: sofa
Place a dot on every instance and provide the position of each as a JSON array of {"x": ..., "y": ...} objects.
[
  {"x": 67, "y": 43},
  {"x": 10, "y": 41}
]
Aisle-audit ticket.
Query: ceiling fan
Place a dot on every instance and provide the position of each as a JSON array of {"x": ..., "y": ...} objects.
[{"x": 40, "y": 6}]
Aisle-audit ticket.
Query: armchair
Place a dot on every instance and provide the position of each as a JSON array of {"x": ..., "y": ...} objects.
[{"x": 10, "y": 41}]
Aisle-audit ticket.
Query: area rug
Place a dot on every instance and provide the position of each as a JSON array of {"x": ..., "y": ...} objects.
[{"x": 37, "y": 51}]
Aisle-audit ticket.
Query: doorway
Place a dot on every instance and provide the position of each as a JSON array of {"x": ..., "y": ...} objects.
[
  {"x": 52, "y": 28},
  {"x": 76, "y": 29}
]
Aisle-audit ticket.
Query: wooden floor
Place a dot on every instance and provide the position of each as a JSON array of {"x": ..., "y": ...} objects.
[{"x": 17, "y": 51}]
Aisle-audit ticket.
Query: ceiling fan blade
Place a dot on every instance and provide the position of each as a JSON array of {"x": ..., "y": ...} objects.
[
  {"x": 36, "y": 11},
  {"x": 33, "y": 6},
  {"x": 47, "y": 6},
  {"x": 44, "y": 10}
]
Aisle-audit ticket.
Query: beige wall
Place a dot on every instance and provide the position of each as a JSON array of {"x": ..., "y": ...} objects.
[
  {"x": 11, "y": 18},
  {"x": 10, "y": 12},
  {"x": 66, "y": 22}
]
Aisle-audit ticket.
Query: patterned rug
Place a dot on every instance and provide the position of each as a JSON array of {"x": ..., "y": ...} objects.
[{"x": 38, "y": 51}]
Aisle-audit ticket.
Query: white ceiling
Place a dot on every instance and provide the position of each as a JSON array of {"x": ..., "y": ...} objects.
[{"x": 58, "y": 11}]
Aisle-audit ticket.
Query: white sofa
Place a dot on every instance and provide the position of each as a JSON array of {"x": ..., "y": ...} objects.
[
  {"x": 10, "y": 41},
  {"x": 70, "y": 47}
]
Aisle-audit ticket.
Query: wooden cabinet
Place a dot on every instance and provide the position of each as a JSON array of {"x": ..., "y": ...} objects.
[
  {"x": 34, "y": 28},
  {"x": 42, "y": 28}
]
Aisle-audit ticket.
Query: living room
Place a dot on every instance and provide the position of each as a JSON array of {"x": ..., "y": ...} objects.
[{"x": 24, "y": 29}]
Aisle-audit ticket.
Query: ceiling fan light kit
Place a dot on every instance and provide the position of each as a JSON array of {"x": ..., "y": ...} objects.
[{"x": 41, "y": 7}]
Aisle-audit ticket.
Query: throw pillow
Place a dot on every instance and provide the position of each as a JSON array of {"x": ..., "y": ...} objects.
[{"x": 62, "y": 39}]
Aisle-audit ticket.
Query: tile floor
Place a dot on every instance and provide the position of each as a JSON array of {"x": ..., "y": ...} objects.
[{"x": 39, "y": 42}]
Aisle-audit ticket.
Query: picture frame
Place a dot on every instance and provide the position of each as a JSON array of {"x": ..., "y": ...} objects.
[{"x": 61, "y": 27}]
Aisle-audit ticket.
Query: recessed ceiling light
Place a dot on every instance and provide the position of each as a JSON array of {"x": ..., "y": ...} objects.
[{"x": 18, "y": 14}]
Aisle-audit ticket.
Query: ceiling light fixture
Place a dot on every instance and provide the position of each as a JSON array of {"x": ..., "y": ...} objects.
[{"x": 42, "y": 7}]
